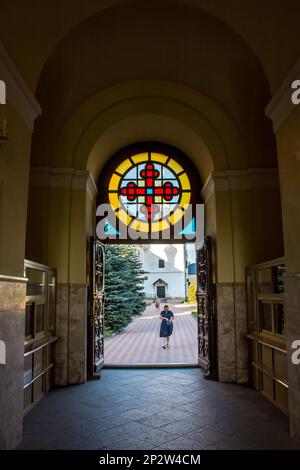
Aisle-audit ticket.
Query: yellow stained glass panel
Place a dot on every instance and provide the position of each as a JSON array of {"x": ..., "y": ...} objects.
[
  {"x": 185, "y": 200},
  {"x": 185, "y": 183},
  {"x": 114, "y": 200},
  {"x": 158, "y": 157},
  {"x": 159, "y": 226},
  {"x": 140, "y": 157},
  {"x": 175, "y": 166},
  {"x": 140, "y": 226},
  {"x": 114, "y": 182},
  {"x": 176, "y": 216},
  {"x": 124, "y": 166},
  {"x": 124, "y": 217}
]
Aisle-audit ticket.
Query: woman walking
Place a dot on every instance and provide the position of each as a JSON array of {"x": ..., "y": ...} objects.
[{"x": 166, "y": 326}]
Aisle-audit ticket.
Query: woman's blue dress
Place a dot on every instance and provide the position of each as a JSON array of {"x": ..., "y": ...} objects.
[{"x": 166, "y": 326}]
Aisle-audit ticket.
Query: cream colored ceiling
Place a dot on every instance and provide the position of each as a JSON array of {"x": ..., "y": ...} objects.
[
  {"x": 235, "y": 53},
  {"x": 160, "y": 41},
  {"x": 31, "y": 29}
]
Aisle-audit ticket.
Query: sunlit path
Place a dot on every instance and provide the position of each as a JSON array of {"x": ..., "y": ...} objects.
[{"x": 139, "y": 343}]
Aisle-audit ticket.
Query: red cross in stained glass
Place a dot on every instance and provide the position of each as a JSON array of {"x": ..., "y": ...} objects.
[{"x": 149, "y": 191}]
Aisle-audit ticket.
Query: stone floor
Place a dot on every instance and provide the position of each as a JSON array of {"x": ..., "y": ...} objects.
[
  {"x": 155, "y": 409},
  {"x": 139, "y": 343}
]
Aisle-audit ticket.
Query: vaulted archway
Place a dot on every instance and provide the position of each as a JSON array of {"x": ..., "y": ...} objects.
[{"x": 195, "y": 76}]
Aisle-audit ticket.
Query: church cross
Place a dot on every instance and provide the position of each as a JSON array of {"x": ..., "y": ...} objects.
[{"x": 149, "y": 191}]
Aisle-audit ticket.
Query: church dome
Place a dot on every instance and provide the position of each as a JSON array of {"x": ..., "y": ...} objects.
[{"x": 170, "y": 251}]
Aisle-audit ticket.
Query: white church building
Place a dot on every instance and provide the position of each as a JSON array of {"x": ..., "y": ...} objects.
[{"x": 165, "y": 271}]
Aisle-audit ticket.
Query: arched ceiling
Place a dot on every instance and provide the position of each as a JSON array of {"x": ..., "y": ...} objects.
[
  {"x": 151, "y": 128},
  {"x": 138, "y": 41},
  {"x": 146, "y": 110},
  {"x": 270, "y": 27}
]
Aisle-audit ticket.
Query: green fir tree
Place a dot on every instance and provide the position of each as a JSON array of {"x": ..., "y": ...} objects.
[{"x": 124, "y": 290}]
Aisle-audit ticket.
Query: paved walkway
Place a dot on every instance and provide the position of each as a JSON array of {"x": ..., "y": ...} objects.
[
  {"x": 139, "y": 343},
  {"x": 155, "y": 409}
]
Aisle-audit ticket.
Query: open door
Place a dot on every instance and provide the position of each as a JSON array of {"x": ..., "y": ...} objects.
[
  {"x": 207, "y": 318},
  {"x": 96, "y": 310}
]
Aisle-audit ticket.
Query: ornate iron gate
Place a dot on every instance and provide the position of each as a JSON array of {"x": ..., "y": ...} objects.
[
  {"x": 96, "y": 310},
  {"x": 207, "y": 319}
]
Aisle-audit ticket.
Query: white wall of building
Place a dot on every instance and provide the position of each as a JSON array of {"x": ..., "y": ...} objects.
[{"x": 172, "y": 274}]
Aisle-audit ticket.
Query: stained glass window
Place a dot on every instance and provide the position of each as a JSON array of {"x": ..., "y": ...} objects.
[{"x": 149, "y": 191}]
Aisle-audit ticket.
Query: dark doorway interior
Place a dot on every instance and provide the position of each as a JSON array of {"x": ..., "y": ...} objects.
[{"x": 161, "y": 292}]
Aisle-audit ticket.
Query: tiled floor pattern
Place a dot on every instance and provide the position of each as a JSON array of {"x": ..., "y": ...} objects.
[
  {"x": 139, "y": 343},
  {"x": 155, "y": 409}
]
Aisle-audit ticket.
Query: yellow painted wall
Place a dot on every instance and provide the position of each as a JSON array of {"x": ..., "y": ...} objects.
[
  {"x": 48, "y": 229},
  {"x": 78, "y": 236},
  {"x": 59, "y": 232},
  {"x": 14, "y": 176},
  {"x": 210, "y": 228},
  {"x": 224, "y": 251},
  {"x": 288, "y": 144},
  {"x": 90, "y": 215},
  {"x": 257, "y": 228},
  {"x": 59, "y": 225},
  {"x": 210, "y": 216},
  {"x": 37, "y": 224},
  {"x": 246, "y": 229}
]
